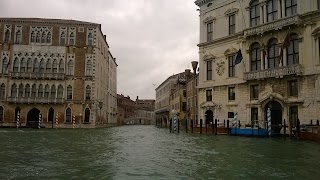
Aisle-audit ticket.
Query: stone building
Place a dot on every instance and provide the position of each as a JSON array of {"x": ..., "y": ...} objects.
[
  {"x": 192, "y": 100},
  {"x": 128, "y": 106},
  {"x": 55, "y": 70},
  {"x": 280, "y": 65},
  {"x": 145, "y": 104}
]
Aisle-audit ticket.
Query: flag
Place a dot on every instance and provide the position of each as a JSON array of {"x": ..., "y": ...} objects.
[
  {"x": 238, "y": 57},
  {"x": 8, "y": 64},
  {"x": 285, "y": 45}
]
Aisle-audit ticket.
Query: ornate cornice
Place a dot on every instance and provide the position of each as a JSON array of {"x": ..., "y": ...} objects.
[
  {"x": 202, "y": 2},
  {"x": 48, "y": 21}
]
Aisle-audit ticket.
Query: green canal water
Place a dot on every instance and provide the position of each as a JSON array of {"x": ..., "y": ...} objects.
[{"x": 146, "y": 152}]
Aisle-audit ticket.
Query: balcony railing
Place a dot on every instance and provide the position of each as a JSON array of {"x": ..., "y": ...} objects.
[
  {"x": 33, "y": 75},
  {"x": 32, "y": 100},
  {"x": 276, "y": 72},
  {"x": 278, "y": 24}
]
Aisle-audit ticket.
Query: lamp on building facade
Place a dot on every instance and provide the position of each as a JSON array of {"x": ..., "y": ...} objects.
[{"x": 194, "y": 67}]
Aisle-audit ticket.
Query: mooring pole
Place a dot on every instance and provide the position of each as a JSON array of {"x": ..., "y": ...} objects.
[
  {"x": 216, "y": 127},
  {"x": 200, "y": 126},
  {"x": 191, "y": 126},
  {"x": 284, "y": 128}
]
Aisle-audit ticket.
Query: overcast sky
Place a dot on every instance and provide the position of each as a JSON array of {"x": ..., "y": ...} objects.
[{"x": 151, "y": 39}]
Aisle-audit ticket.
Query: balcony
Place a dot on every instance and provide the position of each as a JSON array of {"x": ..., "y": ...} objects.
[
  {"x": 276, "y": 72},
  {"x": 278, "y": 24},
  {"x": 32, "y": 100},
  {"x": 33, "y": 75}
]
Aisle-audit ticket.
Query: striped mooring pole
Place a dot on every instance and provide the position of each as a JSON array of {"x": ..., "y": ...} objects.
[
  {"x": 235, "y": 120},
  {"x": 269, "y": 121},
  {"x": 73, "y": 121},
  {"x": 18, "y": 120},
  {"x": 57, "y": 120},
  {"x": 175, "y": 122},
  {"x": 39, "y": 124}
]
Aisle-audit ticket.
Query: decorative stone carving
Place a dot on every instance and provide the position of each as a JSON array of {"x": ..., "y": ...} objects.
[
  {"x": 231, "y": 11},
  {"x": 208, "y": 57},
  {"x": 230, "y": 51},
  {"x": 209, "y": 19},
  {"x": 220, "y": 68}
]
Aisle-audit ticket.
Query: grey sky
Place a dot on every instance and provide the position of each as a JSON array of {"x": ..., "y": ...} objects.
[{"x": 151, "y": 39}]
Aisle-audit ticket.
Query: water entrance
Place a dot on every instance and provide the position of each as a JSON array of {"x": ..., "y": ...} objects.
[{"x": 33, "y": 118}]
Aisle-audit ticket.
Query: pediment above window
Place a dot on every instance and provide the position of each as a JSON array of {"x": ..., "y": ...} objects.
[
  {"x": 231, "y": 11},
  {"x": 231, "y": 51},
  {"x": 208, "y": 57},
  {"x": 209, "y": 19}
]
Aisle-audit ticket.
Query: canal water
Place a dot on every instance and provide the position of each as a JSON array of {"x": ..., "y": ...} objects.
[{"x": 147, "y": 152}]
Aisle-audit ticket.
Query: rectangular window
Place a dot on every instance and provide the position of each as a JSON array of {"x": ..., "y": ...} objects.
[
  {"x": 209, "y": 95},
  {"x": 272, "y": 10},
  {"x": 232, "y": 70},
  {"x": 255, "y": 14},
  {"x": 232, "y": 24},
  {"x": 209, "y": 70},
  {"x": 230, "y": 115},
  {"x": 254, "y": 115},
  {"x": 293, "y": 88},
  {"x": 231, "y": 94},
  {"x": 184, "y": 106},
  {"x": 254, "y": 92},
  {"x": 209, "y": 31},
  {"x": 184, "y": 93},
  {"x": 293, "y": 115},
  {"x": 291, "y": 7}
]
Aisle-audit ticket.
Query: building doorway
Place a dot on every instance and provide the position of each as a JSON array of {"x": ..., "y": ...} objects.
[
  {"x": 33, "y": 118},
  {"x": 276, "y": 115},
  {"x": 51, "y": 116},
  {"x": 209, "y": 117}
]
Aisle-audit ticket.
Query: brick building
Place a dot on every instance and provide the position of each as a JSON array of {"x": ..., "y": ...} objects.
[
  {"x": 126, "y": 106},
  {"x": 59, "y": 69}
]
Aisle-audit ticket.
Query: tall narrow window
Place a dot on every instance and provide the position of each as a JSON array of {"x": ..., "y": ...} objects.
[
  {"x": 232, "y": 24},
  {"x": 5, "y": 64},
  {"x": 209, "y": 95},
  {"x": 90, "y": 39},
  {"x": 231, "y": 94},
  {"x": 293, "y": 115},
  {"x": 62, "y": 39},
  {"x": 318, "y": 4},
  {"x": 55, "y": 66},
  {"x": 254, "y": 13},
  {"x": 71, "y": 39},
  {"x": 291, "y": 7},
  {"x": 40, "y": 91},
  {"x": 53, "y": 92},
  {"x": 60, "y": 92},
  {"x": 43, "y": 37},
  {"x": 7, "y": 36},
  {"x": 1, "y": 114},
  {"x": 61, "y": 66},
  {"x": 48, "y": 66},
  {"x": 209, "y": 31},
  {"x": 68, "y": 115},
  {"x": 14, "y": 90},
  {"x": 33, "y": 37},
  {"x": 88, "y": 92},
  {"x": 254, "y": 115},
  {"x": 42, "y": 66},
  {"x": 23, "y": 65},
  {"x": 16, "y": 65},
  {"x": 293, "y": 87},
  {"x": 293, "y": 50},
  {"x": 232, "y": 69},
  {"x": 272, "y": 10},
  {"x": 27, "y": 91},
  {"x": 38, "y": 37},
  {"x": 254, "y": 92},
  {"x": 209, "y": 70},
  {"x": 70, "y": 68},
  {"x": 255, "y": 57},
  {"x": 69, "y": 92},
  {"x": 2, "y": 91},
  {"x": 29, "y": 65},
  {"x": 18, "y": 37},
  {"x": 46, "y": 91},
  {"x": 35, "y": 65},
  {"x": 273, "y": 54},
  {"x": 20, "y": 91},
  {"x": 34, "y": 91},
  {"x": 49, "y": 38},
  {"x": 89, "y": 68}
]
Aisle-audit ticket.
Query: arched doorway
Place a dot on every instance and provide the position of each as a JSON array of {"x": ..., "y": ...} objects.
[
  {"x": 209, "y": 116},
  {"x": 33, "y": 118},
  {"x": 87, "y": 115},
  {"x": 18, "y": 109},
  {"x": 276, "y": 115},
  {"x": 51, "y": 116}
]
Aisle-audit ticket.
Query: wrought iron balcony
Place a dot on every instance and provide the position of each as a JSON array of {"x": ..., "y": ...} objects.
[
  {"x": 278, "y": 24},
  {"x": 35, "y": 75},
  {"x": 275, "y": 72},
  {"x": 34, "y": 100}
]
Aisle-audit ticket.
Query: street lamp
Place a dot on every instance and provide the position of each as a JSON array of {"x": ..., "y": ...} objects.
[{"x": 194, "y": 67}]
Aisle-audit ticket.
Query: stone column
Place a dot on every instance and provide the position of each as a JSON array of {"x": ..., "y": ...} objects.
[
  {"x": 279, "y": 8},
  {"x": 262, "y": 59},
  {"x": 284, "y": 57},
  {"x": 283, "y": 8},
  {"x": 266, "y": 59},
  {"x": 281, "y": 62},
  {"x": 264, "y": 5}
]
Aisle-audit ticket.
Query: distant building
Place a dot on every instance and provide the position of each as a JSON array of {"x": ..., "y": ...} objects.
[
  {"x": 128, "y": 106},
  {"x": 56, "y": 70},
  {"x": 145, "y": 104},
  {"x": 192, "y": 100},
  {"x": 280, "y": 64}
]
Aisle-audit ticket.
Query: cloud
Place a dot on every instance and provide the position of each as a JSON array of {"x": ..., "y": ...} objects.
[{"x": 151, "y": 39}]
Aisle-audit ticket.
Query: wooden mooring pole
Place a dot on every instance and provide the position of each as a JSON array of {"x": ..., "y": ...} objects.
[
  {"x": 200, "y": 126},
  {"x": 216, "y": 127}
]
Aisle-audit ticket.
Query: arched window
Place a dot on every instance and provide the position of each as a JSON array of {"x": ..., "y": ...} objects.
[
  {"x": 46, "y": 91},
  {"x": 2, "y": 91},
  {"x": 53, "y": 92},
  {"x": 60, "y": 91},
  {"x": 29, "y": 65},
  {"x": 255, "y": 57},
  {"x": 43, "y": 37},
  {"x": 33, "y": 37},
  {"x": 7, "y": 36},
  {"x": 27, "y": 91},
  {"x": 38, "y": 37},
  {"x": 62, "y": 39},
  {"x": 42, "y": 66},
  {"x": 89, "y": 68},
  {"x": 61, "y": 66},
  {"x": 34, "y": 91},
  {"x": 35, "y": 65},
  {"x": 254, "y": 13},
  {"x": 1, "y": 114},
  {"x": 272, "y": 10},
  {"x": 293, "y": 50},
  {"x": 14, "y": 90},
  {"x": 23, "y": 65},
  {"x": 49, "y": 37},
  {"x": 16, "y": 65},
  {"x": 87, "y": 115},
  {"x": 90, "y": 39},
  {"x": 5, "y": 64},
  {"x": 88, "y": 92},
  {"x": 71, "y": 39},
  {"x": 69, "y": 92},
  {"x": 48, "y": 66},
  {"x": 18, "y": 37},
  {"x": 70, "y": 68},
  {"x": 21, "y": 90},
  {"x": 68, "y": 115},
  {"x": 273, "y": 54},
  {"x": 55, "y": 66},
  {"x": 40, "y": 91}
]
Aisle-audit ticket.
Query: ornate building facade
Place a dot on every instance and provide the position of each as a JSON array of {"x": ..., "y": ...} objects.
[
  {"x": 280, "y": 65},
  {"x": 58, "y": 71}
]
